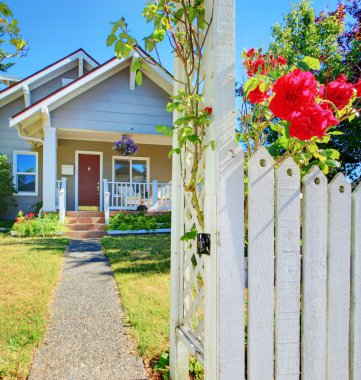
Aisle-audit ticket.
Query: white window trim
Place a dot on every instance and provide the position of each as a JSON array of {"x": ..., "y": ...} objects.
[
  {"x": 15, "y": 172},
  {"x": 100, "y": 154},
  {"x": 130, "y": 158}
]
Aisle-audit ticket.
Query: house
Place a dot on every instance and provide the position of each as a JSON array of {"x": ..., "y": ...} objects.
[{"x": 58, "y": 126}]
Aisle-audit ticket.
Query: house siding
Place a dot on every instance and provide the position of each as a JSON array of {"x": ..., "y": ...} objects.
[
  {"x": 52, "y": 85},
  {"x": 10, "y": 142},
  {"x": 112, "y": 106},
  {"x": 160, "y": 164}
]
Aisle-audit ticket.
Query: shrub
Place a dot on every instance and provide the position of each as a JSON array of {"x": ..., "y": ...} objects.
[
  {"x": 29, "y": 225},
  {"x": 127, "y": 222},
  {"x": 7, "y": 188}
]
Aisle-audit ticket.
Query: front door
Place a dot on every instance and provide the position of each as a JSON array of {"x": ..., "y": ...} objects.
[{"x": 88, "y": 181}]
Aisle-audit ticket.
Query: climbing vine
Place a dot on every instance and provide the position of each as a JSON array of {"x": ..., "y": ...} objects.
[{"x": 184, "y": 24}]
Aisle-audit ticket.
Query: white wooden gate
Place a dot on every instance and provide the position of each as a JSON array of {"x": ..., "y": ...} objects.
[{"x": 300, "y": 313}]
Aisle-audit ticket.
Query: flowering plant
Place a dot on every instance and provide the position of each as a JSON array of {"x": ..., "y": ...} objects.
[
  {"x": 21, "y": 217},
  {"x": 286, "y": 109},
  {"x": 125, "y": 146}
]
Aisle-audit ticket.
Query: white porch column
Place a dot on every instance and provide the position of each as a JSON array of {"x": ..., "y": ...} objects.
[{"x": 49, "y": 163}]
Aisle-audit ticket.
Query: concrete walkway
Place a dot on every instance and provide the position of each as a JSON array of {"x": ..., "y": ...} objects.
[{"x": 85, "y": 338}]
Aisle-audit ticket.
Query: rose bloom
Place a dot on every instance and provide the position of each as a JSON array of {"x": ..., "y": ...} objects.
[
  {"x": 250, "y": 52},
  {"x": 358, "y": 88},
  {"x": 311, "y": 121},
  {"x": 339, "y": 92},
  {"x": 282, "y": 60},
  {"x": 257, "y": 96},
  {"x": 293, "y": 92},
  {"x": 208, "y": 110},
  {"x": 256, "y": 67}
]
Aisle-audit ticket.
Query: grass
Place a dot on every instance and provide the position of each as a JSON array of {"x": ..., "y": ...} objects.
[
  {"x": 29, "y": 272},
  {"x": 141, "y": 266}
]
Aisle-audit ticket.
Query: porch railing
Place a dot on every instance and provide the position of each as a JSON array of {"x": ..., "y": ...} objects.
[
  {"x": 60, "y": 198},
  {"x": 129, "y": 196},
  {"x": 60, "y": 184}
]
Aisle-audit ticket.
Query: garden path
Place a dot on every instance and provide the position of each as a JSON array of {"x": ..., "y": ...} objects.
[{"x": 86, "y": 338}]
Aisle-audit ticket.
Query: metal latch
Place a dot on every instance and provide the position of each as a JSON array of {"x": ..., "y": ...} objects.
[{"x": 204, "y": 244}]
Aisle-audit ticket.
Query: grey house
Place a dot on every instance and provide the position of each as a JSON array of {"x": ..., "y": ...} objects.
[{"x": 58, "y": 126}]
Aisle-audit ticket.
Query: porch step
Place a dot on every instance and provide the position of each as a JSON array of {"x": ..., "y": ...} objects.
[
  {"x": 85, "y": 219},
  {"x": 85, "y": 234},
  {"x": 80, "y": 214},
  {"x": 85, "y": 224}
]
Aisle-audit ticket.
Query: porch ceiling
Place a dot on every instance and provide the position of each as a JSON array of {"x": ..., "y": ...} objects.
[{"x": 87, "y": 135}]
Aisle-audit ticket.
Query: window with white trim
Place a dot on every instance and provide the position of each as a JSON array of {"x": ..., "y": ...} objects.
[
  {"x": 26, "y": 173},
  {"x": 135, "y": 169}
]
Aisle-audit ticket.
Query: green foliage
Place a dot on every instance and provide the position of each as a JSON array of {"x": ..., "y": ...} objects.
[
  {"x": 301, "y": 35},
  {"x": 195, "y": 369},
  {"x": 333, "y": 38},
  {"x": 6, "y": 184},
  {"x": 10, "y": 37},
  {"x": 162, "y": 365},
  {"x": 125, "y": 222},
  {"x": 30, "y": 226}
]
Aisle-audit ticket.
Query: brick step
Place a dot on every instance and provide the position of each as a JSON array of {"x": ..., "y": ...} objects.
[
  {"x": 86, "y": 227},
  {"x": 80, "y": 214},
  {"x": 84, "y": 219},
  {"x": 85, "y": 234}
]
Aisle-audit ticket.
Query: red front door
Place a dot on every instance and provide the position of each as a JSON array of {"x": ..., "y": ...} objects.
[{"x": 88, "y": 180}]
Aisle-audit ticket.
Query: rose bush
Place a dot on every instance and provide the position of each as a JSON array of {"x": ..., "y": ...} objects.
[{"x": 289, "y": 101}]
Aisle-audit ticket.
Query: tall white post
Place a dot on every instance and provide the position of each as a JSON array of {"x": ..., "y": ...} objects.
[
  {"x": 224, "y": 206},
  {"x": 49, "y": 163},
  {"x": 155, "y": 195},
  {"x": 106, "y": 200}
]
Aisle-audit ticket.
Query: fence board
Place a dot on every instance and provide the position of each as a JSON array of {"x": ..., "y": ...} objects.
[
  {"x": 314, "y": 275},
  {"x": 338, "y": 278},
  {"x": 260, "y": 266},
  {"x": 355, "y": 328},
  {"x": 288, "y": 271}
]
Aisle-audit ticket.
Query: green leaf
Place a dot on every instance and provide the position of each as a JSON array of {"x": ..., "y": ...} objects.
[
  {"x": 335, "y": 133},
  {"x": 139, "y": 78},
  {"x": 287, "y": 130},
  {"x": 332, "y": 163},
  {"x": 313, "y": 63},
  {"x": 303, "y": 66},
  {"x": 192, "y": 138},
  {"x": 174, "y": 151},
  {"x": 111, "y": 39},
  {"x": 250, "y": 85},
  {"x": 191, "y": 235},
  {"x": 213, "y": 145}
]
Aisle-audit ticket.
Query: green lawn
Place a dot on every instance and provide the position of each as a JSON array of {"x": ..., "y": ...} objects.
[
  {"x": 141, "y": 266},
  {"x": 29, "y": 270}
]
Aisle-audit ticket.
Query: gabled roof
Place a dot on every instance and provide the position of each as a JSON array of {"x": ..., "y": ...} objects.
[
  {"x": 82, "y": 84},
  {"x": 10, "y": 93}
]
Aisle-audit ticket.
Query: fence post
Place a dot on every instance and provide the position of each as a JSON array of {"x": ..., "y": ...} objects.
[
  {"x": 155, "y": 195},
  {"x": 224, "y": 205},
  {"x": 355, "y": 327},
  {"x": 63, "y": 186},
  {"x": 61, "y": 195},
  {"x": 106, "y": 200}
]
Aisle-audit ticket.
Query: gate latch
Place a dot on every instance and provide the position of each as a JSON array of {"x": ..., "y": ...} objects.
[{"x": 204, "y": 244}]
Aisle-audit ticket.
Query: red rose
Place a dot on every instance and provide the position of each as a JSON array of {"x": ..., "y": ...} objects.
[
  {"x": 208, "y": 110},
  {"x": 358, "y": 88},
  {"x": 257, "y": 96},
  {"x": 256, "y": 67},
  {"x": 339, "y": 92},
  {"x": 293, "y": 92},
  {"x": 311, "y": 121},
  {"x": 282, "y": 60},
  {"x": 250, "y": 52}
]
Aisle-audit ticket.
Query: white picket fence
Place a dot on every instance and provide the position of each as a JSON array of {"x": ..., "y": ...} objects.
[{"x": 303, "y": 294}]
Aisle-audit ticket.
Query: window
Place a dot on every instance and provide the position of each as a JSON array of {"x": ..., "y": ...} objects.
[
  {"x": 26, "y": 173},
  {"x": 131, "y": 170}
]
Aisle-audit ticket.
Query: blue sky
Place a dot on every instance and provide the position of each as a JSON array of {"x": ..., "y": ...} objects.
[{"x": 56, "y": 28}]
